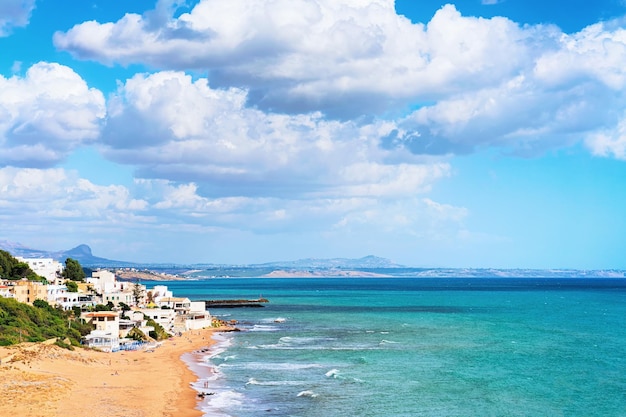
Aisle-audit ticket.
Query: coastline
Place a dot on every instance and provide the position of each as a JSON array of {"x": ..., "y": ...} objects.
[{"x": 42, "y": 380}]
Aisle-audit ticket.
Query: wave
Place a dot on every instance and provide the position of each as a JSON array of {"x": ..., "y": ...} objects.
[
  {"x": 218, "y": 401},
  {"x": 263, "y": 328},
  {"x": 307, "y": 393},
  {"x": 332, "y": 348},
  {"x": 332, "y": 373},
  {"x": 274, "y": 320},
  {"x": 275, "y": 366},
  {"x": 253, "y": 381},
  {"x": 304, "y": 340}
]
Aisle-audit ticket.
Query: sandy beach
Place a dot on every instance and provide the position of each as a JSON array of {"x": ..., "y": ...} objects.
[{"x": 39, "y": 380}]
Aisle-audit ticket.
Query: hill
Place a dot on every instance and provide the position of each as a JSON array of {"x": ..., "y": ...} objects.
[{"x": 20, "y": 322}]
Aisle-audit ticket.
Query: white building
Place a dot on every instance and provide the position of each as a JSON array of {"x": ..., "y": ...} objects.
[
  {"x": 160, "y": 291},
  {"x": 5, "y": 291},
  {"x": 117, "y": 297},
  {"x": 75, "y": 299},
  {"x": 101, "y": 340},
  {"x": 114, "y": 291},
  {"x": 164, "y": 317},
  {"x": 107, "y": 321},
  {"x": 106, "y": 335},
  {"x": 45, "y": 267},
  {"x": 103, "y": 281}
]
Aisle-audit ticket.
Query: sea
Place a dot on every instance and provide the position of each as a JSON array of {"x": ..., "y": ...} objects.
[{"x": 416, "y": 347}]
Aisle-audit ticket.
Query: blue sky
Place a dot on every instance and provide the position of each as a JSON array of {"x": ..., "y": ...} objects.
[{"x": 466, "y": 134}]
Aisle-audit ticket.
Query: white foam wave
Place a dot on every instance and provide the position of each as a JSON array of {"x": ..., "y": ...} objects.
[
  {"x": 274, "y": 320},
  {"x": 274, "y": 366},
  {"x": 253, "y": 381},
  {"x": 332, "y": 373},
  {"x": 307, "y": 393},
  {"x": 289, "y": 340},
  {"x": 263, "y": 328},
  {"x": 218, "y": 401}
]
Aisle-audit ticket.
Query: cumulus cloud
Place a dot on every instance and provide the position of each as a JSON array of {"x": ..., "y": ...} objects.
[
  {"x": 609, "y": 142},
  {"x": 14, "y": 13},
  {"x": 46, "y": 114},
  {"x": 173, "y": 127},
  {"x": 344, "y": 58},
  {"x": 45, "y": 195},
  {"x": 292, "y": 65}
]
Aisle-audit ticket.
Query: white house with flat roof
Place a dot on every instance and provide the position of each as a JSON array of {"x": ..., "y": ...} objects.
[
  {"x": 164, "y": 317},
  {"x": 106, "y": 333},
  {"x": 45, "y": 267},
  {"x": 103, "y": 281},
  {"x": 102, "y": 340}
]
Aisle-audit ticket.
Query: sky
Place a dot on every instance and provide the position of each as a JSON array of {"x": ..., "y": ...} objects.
[{"x": 465, "y": 134}]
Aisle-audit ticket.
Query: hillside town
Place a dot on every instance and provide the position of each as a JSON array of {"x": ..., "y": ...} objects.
[{"x": 132, "y": 308}]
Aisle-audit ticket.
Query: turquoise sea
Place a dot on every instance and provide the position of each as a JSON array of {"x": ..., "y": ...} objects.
[{"x": 417, "y": 347}]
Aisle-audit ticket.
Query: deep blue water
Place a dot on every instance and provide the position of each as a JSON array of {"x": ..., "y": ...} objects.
[{"x": 418, "y": 347}]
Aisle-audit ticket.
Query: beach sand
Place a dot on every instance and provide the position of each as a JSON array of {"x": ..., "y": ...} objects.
[{"x": 39, "y": 380}]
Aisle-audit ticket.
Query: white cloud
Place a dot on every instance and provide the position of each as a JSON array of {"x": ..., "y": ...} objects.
[
  {"x": 41, "y": 196},
  {"x": 609, "y": 142},
  {"x": 173, "y": 127},
  {"x": 46, "y": 114},
  {"x": 341, "y": 57},
  {"x": 478, "y": 82},
  {"x": 14, "y": 13},
  {"x": 58, "y": 208}
]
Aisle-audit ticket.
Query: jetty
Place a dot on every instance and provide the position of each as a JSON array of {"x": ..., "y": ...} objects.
[{"x": 235, "y": 303}]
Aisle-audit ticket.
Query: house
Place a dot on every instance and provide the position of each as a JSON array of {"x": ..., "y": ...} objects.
[
  {"x": 102, "y": 340},
  {"x": 27, "y": 292},
  {"x": 178, "y": 304},
  {"x": 107, "y": 321},
  {"x": 126, "y": 325},
  {"x": 48, "y": 268},
  {"x": 164, "y": 317},
  {"x": 5, "y": 291},
  {"x": 158, "y": 292},
  {"x": 75, "y": 299},
  {"x": 111, "y": 290},
  {"x": 197, "y": 320},
  {"x": 106, "y": 335},
  {"x": 103, "y": 281},
  {"x": 117, "y": 297}
]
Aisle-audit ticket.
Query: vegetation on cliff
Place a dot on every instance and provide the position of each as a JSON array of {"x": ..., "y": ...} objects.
[
  {"x": 21, "y": 322},
  {"x": 13, "y": 269}
]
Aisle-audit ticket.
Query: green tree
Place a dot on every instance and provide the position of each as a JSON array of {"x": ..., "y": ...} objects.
[
  {"x": 159, "y": 332},
  {"x": 73, "y": 271},
  {"x": 20, "y": 322},
  {"x": 137, "y": 293},
  {"x": 72, "y": 286},
  {"x": 11, "y": 268},
  {"x": 137, "y": 334}
]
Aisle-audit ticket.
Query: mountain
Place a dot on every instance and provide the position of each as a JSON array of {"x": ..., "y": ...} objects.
[{"x": 82, "y": 253}]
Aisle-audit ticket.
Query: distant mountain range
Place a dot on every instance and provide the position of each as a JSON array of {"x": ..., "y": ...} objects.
[
  {"x": 368, "y": 266},
  {"x": 82, "y": 253}
]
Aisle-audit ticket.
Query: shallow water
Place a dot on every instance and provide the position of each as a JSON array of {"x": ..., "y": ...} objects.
[{"x": 418, "y": 347}]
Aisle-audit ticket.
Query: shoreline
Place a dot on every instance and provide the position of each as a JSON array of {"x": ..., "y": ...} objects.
[{"x": 42, "y": 380}]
